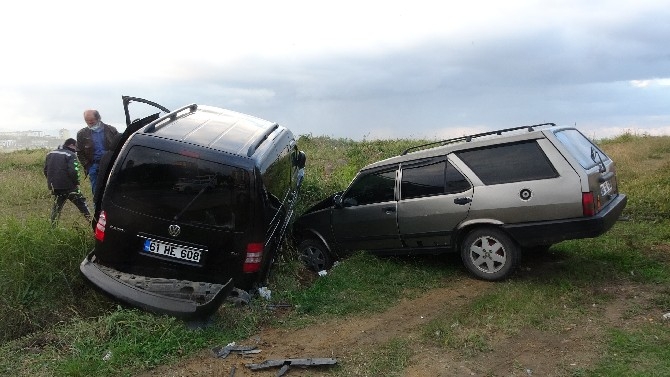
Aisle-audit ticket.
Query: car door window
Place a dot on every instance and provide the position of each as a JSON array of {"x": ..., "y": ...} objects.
[
  {"x": 432, "y": 179},
  {"x": 455, "y": 181},
  {"x": 375, "y": 187},
  {"x": 420, "y": 181}
]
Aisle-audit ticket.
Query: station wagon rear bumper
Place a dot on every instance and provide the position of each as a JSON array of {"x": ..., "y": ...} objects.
[
  {"x": 551, "y": 232},
  {"x": 179, "y": 298}
]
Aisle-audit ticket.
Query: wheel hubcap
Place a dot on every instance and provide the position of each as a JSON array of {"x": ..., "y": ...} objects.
[
  {"x": 313, "y": 258},
  {"x": 488, "y": 255}
]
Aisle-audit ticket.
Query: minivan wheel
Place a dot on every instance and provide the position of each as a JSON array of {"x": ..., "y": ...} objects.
[
  {"x": 489, "y": 254},
  {"x": 314, "y": 255}
]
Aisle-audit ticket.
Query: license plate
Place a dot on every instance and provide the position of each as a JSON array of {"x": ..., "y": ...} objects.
[
  {"x": 605, "y": 188},
  {"x": 186, "y": 253}
]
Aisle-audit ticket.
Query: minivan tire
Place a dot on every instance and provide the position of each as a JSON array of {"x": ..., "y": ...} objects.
[
  {"x": 315, "y": 255},
  {"x": 489, "y": 253}
]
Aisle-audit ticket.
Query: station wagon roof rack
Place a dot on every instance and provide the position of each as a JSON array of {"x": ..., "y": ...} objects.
[{"x": 469, "y": 138}]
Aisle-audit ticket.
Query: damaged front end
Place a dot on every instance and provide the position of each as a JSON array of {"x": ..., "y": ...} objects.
[{"x": 178, "y": 298}]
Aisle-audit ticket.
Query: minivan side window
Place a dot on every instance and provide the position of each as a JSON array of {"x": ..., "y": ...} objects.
[
  {"x": 277, "y": 177},
  {"x": 508, "y": 163},
  {"x": 375, "y": 187}
]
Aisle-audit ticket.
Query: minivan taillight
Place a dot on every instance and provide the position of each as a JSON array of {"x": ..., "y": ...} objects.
[
  {"x": 252, "y": 263},
  {"x": 588, "y": 204},
  {"x": 100, "y": 227}
]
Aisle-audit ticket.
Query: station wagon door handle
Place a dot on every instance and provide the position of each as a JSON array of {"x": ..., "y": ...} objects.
[
  {"x": 462, "y": 201},
  {"x": 388, "y": 210}
]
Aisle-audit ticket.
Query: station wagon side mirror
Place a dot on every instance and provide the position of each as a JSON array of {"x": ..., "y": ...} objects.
[{"x": 299, "y": 160}]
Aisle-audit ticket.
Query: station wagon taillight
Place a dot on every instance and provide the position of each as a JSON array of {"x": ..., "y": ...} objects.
[
  {"x": 100, "y": 227},
  {"x": 588, "y": 204},
  {"x": 252, "y": 263}
]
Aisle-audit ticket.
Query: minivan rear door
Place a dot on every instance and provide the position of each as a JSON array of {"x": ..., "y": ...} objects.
[{"x": 160, "y": 198}]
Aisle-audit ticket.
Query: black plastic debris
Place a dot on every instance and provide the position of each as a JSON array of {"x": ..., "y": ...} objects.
[
  {"x": 286, "y": 363},
  {"x": 223, "y": 352}
]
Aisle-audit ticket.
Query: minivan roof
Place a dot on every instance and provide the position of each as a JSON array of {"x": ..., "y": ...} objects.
[{"x": 215, "y": 128}]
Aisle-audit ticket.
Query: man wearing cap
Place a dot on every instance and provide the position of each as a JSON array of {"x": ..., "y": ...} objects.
[
  {"x": 92, "y": 142},
  {"x": 62, "y": 170}
]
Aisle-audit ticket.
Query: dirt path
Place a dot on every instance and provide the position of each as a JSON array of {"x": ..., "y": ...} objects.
[{"x": 530, "y": 353}]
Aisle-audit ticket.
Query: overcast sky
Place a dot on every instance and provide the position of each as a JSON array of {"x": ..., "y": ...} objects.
[{"x": 354, "y": 69}]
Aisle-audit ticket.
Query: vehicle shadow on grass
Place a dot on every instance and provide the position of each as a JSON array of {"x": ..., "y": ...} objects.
[{"x": 553, "y": 265}]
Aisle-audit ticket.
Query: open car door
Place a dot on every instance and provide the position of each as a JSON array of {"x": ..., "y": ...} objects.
[{"x": 107, "y": 160}]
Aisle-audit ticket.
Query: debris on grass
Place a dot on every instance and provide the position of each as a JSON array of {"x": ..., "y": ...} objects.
[
  {"x": 286, "y": 363},
  {"x": 223, "y": 352}
]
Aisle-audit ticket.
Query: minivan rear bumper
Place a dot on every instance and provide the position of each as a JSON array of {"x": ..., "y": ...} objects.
[
  {"x": 551, "y": 232},
  {"x": 179, "y": 298}
]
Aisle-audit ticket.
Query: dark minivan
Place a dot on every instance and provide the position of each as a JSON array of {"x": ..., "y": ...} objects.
[{"x": 191, "y": 205}]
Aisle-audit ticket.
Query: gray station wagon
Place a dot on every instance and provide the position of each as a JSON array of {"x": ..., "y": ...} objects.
[{"x": 488, "y": 196}]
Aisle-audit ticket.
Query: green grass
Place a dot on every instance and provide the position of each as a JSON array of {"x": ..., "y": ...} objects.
[
  {"x": 388, "y": 359},
  {"x": 640, "y": 352},
  {"x": 39, "y": 275},
  {"x": 53, "y": 323},
  {"x": 117, "y": 343},
  {"x": 643, "y": 164},
  {"x": 365, "y": 284}
]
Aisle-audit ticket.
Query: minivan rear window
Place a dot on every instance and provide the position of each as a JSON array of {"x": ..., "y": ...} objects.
[
  {"x": 182, "y": 188},
  {"x": 581, "y": 148}
]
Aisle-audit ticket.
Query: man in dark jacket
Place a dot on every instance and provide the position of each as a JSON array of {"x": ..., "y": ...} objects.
[
  {"x": 92, "y": 142},
  {"x": 61, "y": 168}
]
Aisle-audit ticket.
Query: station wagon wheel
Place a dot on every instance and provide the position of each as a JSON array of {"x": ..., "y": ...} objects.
[
  {"x": 489, "y": 254},
  {"x": 315, "y": 255}
]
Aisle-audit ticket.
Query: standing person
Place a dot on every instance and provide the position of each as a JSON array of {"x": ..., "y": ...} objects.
[
  {"x": 92, "y": 142},
  {"x": 61, "y": 168}
]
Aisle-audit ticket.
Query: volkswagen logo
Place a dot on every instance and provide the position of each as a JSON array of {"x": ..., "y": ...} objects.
[{"x": 174, "y": 230}]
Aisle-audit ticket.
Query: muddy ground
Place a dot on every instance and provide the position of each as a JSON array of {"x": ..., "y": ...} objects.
[{"x": 573, "y": 348}]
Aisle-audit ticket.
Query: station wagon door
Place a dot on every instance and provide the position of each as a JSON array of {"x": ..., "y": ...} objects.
[
  {"x": 434, "y": 198},
  {"x": 367, "y": 218}
]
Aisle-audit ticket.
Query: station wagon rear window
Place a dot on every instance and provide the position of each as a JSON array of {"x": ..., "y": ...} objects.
[
  {"x": 508, "y": 163},
  {"x": 587, "y": 153},
  {"x": 182, "y": 188}
]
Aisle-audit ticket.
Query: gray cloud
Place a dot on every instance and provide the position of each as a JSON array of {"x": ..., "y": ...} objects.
[{"x": 577, "y": 72}]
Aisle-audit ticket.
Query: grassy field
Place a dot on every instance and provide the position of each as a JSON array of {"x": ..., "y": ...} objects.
[{"x": 53, "y": 323}]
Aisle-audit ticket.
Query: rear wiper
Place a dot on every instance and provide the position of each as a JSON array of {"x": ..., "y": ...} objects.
[
  {"x": 599, "y": 161},
  {"x": 177, "y": 216}
]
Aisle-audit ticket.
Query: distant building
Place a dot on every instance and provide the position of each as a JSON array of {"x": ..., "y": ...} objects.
[
  {"x": 8, "y": 143},
  {"x": 14, "y": 140}
]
